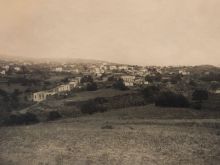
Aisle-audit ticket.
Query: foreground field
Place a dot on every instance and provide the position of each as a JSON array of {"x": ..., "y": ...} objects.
[{"x": 115, "y": 137}]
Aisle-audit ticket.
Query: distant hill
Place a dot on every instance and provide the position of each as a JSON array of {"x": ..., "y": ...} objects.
[{"x": 53, "y": 60}]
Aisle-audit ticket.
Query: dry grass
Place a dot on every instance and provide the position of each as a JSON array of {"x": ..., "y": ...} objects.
[{"x": 131, "y": 140}]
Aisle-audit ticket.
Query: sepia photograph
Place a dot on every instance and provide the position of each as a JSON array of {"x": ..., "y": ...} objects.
[{"x": 109, "y": 82}]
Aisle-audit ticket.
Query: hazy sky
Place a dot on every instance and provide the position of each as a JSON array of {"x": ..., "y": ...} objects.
[{"x": 126, "y": 31}]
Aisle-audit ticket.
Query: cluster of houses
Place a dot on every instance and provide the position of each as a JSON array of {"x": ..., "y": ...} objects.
[{"x": 63, "y": 88}]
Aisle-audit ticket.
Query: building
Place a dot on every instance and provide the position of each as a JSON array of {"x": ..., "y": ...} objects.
[
  {"x": 113, "y": 67},
  {"x": 124, "y": 67},
  {"x": 128, "y": 80},
  {"x": 3, "y": 72},
  {"x": 39, "y": 96},
  {"x": 59, "y": 69},
  {"x": 17, "y": 69},
  {"x": 42, "y": 95},
  {"x": 63, "y": 88}
]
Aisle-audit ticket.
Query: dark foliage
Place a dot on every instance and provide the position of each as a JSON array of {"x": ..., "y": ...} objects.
[
  {"x": 170, "y": 99},
  {"x": 100, "y": 100},
  {"x": 53, "y": 115},
  {"x": 200, "y": 95},
  {"x": 150, "y": 92},
  {"x": 91, "y": 107},
  {"x": 211, "y": 77},
  {"x": 157, "y": 77},
  {"x": 91, "y": 86},
  {"x": 22, "y": 119},
  {"x": 119, "y": 84},
  {"x": 196, "y": 105},
  {"x": 87, "y": 79}
]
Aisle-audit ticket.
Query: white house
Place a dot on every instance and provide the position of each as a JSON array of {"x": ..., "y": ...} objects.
[
  {"x": 128, "y": 80},
  {"x": 3, "y": 72},
  {"x": 113, "y": 67},
  {"x": 39, "y": 96},
  {"x": 59, "y": 69},
  {"x": 63, "y": 88},
  {"x": 17, "y": 69},
  {"x": 123, "y": 67}
]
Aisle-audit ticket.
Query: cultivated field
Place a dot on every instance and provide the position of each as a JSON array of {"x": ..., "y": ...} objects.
[{"x": 140, "y": 135}]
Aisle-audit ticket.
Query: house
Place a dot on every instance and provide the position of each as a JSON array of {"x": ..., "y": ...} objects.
[
  {"x": 128, "y": 80},
  {"x": 113, "y": 67},
  {"x": 59, "y": 69},
  {"x": 17, "y": 69},
  {"x": 63, "y": 88},
  {"x": 123, "y": 67},
  {"x": 3, "y": 72},
  {"x": 217, "y": 91},
  {"x": 39, "y": 96},
  {"x": 184, "y": 73}
]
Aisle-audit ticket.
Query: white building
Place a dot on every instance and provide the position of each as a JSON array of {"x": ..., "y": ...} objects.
[
  {"x": 128, "y": 80},
  {"x": 63, "y": 88},
  {"x": 184, "y": 73},
  {"x": 17, "y": 69},
  {"x": 113, "y": 67},
  {"x": 123, "y": 67},
  {"x": 59, "y": 69},
  {"x": 3, "y": 72}
]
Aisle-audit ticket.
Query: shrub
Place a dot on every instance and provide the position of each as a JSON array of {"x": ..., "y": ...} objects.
[
  {"x": 119, "y": 84},
  {"x": 21, "y": 119},
  {"x": 91, "y": 107},
  {"x": 91, "y": 86},
  {"x": 200, "y": 95},
  {"x": 100, "y": 100},
  {"x": 107, "y": 127},
  {"x": 170, "y": 99},
  {"x": 150, "y": 92},
  {"x": 196, "y": 105},
  {"x": 53, "y": 115}
]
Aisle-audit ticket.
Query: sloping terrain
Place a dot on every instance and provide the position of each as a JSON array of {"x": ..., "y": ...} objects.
[{"x": 123, "y": 136}]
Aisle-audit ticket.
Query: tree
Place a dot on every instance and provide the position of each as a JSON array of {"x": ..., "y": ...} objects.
[
  {"x": 53, "y": 115},
  {"x": 119, "y": 84},
  {"x": 200, "y": 94},
  {"x": 91, "y": 86},
  {"x": 150, "y": 92},
  {"x": 170, "y": 99},
  {"x": 87, "y": 79}
]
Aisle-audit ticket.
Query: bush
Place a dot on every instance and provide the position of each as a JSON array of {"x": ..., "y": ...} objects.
[
  {"x": 100, "y": 100},
  {"x": 91, "y": 86},
  {"x": 53, "y": 115},
  {"x": 91, "y": 107},
  {"x": 22, "y": 119},
  {"x": 119, "y": 84},
  {"x": 196, "y": 105},
  {"x": 170, "y": 99},
  {"x": 200, "y": 95},
  {"x": 150, "y": 92}
]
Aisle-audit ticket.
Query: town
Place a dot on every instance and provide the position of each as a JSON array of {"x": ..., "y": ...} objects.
[{"x": 35, "y": 82}]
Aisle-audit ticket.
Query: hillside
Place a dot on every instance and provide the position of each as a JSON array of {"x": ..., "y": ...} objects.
[{"x": 123, "y": 136}]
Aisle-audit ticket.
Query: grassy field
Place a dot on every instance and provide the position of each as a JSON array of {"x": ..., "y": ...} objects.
[{"x": 140, "y": 135}]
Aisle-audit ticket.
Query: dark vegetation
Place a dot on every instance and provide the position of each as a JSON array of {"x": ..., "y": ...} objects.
[
  {"x": 92, "y": 86},
  {"x": 9, "y": 101},
  {"x": 171, "y": 99},
  {"x": 200, "y": 95},
  {"x": 20, "y": 119},
  {"x": 119, "y": 84},
  {"x": 150, "y": 93},
  {"x": 53, "y": 115},
  {"x": 91, "y": 107}
]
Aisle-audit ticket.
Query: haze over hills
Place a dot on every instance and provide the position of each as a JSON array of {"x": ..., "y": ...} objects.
[{"x": 83, "y": 60}]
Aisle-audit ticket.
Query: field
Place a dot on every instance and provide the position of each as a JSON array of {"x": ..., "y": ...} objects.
[{"x": 139, "y": 135}]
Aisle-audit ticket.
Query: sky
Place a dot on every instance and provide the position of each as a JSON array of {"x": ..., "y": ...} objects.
[{"x": 142, "y": 32}]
